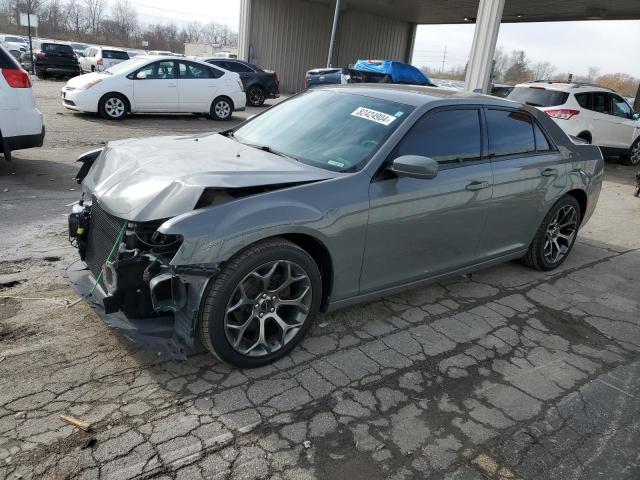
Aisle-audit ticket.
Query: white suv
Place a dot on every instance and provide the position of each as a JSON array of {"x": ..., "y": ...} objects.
[
  {"x": 21, "y": 124},
  {"x": 98, "y": 59},
  {"x": 595, "y": 114}
]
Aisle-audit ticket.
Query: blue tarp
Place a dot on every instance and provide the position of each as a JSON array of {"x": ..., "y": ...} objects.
[{"x": 400, "y": 72}]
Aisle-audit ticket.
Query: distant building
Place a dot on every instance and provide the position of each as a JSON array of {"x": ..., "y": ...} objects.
[{"x": 209, "y": 50}]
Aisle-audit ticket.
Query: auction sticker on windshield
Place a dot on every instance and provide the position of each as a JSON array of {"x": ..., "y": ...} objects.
[{"x": 374, "y": 116}]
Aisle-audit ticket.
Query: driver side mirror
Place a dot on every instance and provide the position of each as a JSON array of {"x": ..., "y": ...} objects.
[
  {"x": 415, "y": 166},
  {"x": 141, "y": 75},
  {"x": 635, "y": 116}
]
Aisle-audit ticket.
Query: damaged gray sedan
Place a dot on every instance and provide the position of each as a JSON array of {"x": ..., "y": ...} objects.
[{"x": 238, "y": 239}]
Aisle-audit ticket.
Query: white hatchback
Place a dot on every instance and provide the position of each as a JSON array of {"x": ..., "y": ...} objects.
[
  {"x": 21, "y": 124},
  {"x": 152, "y": 84},
  {"x": 595, "y": 114}
]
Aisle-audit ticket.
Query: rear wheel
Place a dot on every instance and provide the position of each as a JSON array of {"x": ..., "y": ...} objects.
[
  {"x": 255, "y": 96},
  {"x": 556, "y": 236},
  {"x": 261, "y": 305},
  {"x": 221, "y": 109},
  {"x": 113, "y": 106},
  {"x": 634, "y": 154}
]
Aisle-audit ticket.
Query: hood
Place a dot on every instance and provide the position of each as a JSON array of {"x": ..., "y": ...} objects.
[
  {"x": 83, "y": 80},
  {"x": 161, "y": 177}
]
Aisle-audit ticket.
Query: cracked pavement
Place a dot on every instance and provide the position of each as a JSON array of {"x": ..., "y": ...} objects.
[{"x": 505, "y": 374}]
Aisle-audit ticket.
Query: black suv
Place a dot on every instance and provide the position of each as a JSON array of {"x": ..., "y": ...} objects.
[
  {"x": 53, "y": 60},
  {"x": 258, "y": 83}
]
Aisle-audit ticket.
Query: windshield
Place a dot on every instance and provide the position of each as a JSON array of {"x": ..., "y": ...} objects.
[
  {"x": 125, "y": 66},
  {"x": 332, "y": 130},
  {"x": 538, "y": 96}
]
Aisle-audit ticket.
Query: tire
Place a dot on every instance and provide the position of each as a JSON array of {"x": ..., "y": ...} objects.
[
  {"x": 633, "y": 158},
  {"x": 550, "y": 240},
  {"x": 221, "y": 109},
  {"x": 236, "y": 308},
  {"x": 113, "y": 106},
  {"x": 256, "y": 96}
]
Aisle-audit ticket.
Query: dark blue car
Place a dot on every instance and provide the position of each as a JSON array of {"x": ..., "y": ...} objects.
[{"x": 368, "y": 71}]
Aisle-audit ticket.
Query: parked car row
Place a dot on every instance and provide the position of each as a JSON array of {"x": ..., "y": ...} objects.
[
  {"x": 368, "y": 71},
  {"x": 592, "y": 113}
]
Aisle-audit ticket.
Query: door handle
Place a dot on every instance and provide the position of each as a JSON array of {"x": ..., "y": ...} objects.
[
  {"x": 549, "y": 172},
  {"x": 473, "y": 186},
  {"x": 172, "y": 85}
]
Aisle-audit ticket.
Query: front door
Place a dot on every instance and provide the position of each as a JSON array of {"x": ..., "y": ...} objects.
[
  {"x": 623, "y": 134},
  {"x": 421, "y": 228},
  {"x": 529, "y": 176},
  {"x": 155, "y": 87}
]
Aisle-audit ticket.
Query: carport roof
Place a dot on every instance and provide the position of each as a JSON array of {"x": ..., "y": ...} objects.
[{"x": 464, "y": 11}]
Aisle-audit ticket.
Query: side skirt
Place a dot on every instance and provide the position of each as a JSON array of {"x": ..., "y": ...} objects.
[{"x": 425, "y": 281}]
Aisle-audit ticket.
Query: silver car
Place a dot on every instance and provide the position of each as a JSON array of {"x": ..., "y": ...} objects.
[{"x": 338, "y": 195}]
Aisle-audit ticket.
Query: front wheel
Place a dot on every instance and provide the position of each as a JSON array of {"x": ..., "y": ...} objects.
[
  {"x": 113, "y": 106},
  {"x": 556, "y": 236},
  {"x": 221, "y": 109},
  {"x": 261, "y": 305}
]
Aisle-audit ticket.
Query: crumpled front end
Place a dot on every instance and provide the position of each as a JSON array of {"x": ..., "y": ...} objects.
[{"x": 128, "y": 279}]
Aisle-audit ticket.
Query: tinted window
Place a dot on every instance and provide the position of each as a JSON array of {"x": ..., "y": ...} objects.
[
  {"x": 601, "y": 102},
  {"x": 449, "y": 136},
  {"x": 583, "y": 99},
  {"x": 237, "y": 67},
  {"x": 192, "y": 70},
  {"x": 542, "y": 144},
  {"x": 331, "y": 130},
  {"x": 57, "y": 49},
  {"x": 114, "y": 54},
  {"x": 620, "y": 107},
  {"x": 538, "y": 96},
  {"x": 510, "y": 132},
  {"x": 159, "y": 70},
  {"x": 7, "y": 61}
]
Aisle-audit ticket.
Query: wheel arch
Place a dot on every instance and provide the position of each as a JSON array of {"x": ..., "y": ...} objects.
[
  {"x": 585, "y": 135},
  {"x": 581, "y": 197},
  {"x": 126, "y": 98},
  {"x": 225, "y": 97}
]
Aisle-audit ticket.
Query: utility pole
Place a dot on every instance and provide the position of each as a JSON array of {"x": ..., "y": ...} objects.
[
  {"x": 33, "y": 67},
  {"x": 334, "y": 32},
  {"x": 444, "y": 58}
]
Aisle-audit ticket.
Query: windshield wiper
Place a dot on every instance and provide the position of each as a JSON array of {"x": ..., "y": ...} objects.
[{"x": 268, "y": 149}]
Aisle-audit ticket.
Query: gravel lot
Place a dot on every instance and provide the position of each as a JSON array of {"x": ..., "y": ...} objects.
[{"x": 506, "y": 374}]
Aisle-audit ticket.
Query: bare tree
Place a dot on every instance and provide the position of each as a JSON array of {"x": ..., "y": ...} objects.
[
  {"x": 542, "y": 70},
  {"x": 592, "y": 74},
  {"x": 125, "y": 20},
  {"x": 75, "y": 19},
  {"x": 500, "y": 63},
  {"x": 94, "y": 13}
]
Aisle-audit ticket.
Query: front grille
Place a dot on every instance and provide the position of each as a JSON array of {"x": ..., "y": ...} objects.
[{"x": 103, "y": 233}]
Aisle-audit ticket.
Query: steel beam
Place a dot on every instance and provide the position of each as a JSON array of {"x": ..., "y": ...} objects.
[{"x": 334, "y": 32}]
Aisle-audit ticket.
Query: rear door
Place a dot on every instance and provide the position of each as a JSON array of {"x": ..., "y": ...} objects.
[
  {"x": 604, "y": 123},
  {"x": 421, "y": 228},
  {"x": 198, "y": 85},
  {"x": 155, "y": 87},
  {"x": 528, "y": 177}
]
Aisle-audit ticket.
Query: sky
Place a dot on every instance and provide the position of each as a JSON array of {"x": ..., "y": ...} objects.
[{"x": 572, "y": 47}]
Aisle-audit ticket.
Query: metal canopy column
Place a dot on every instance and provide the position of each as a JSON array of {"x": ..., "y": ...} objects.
[
  {"x": 484, "y": 45},
  {"x": 334, "y": 31},
  {"x": 244, "y": 34}
]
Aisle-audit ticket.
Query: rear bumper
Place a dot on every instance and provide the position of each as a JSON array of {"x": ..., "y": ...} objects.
[
  {"x": 57, "y": 70},
  {"x": 21, "y": 142}
]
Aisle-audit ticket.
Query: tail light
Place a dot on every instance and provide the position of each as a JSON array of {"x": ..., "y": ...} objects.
[
  {"x": 41, "y": 56},
  {"x": 306, "y": 82},
  {"x": 17, "y": 78},
  {"x": 562, "y": 114},
  {"x": 100, "y": 62}
]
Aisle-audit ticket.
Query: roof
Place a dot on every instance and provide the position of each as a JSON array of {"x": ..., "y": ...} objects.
[
  {"x": 416, "y": 95},
  {"x": 564, "y": 86},
  {"x": 464, "y": 11}
]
